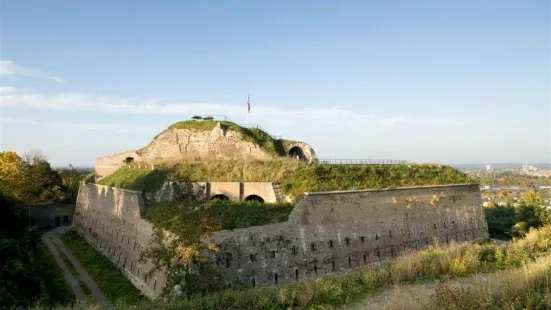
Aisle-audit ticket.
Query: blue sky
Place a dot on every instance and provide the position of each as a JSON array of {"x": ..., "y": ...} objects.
[{"x": 431, "y": 81}]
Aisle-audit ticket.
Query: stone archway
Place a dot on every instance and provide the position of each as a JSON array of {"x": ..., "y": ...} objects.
[
  {"x": 221, "y": 197},
  {"x": 254, "y": 198},
  {"x": 297, "y": 153}
]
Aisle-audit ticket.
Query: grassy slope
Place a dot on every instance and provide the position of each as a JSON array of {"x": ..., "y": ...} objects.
[
  {"x": 135, "y": 179},
  {"x": 229, "y": 215},
  {"x": 110, "y": 279},
  {"x": 296, "y": 178}
]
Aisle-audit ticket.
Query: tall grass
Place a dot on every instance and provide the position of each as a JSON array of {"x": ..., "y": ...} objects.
[{"x": 528, "y": 287}]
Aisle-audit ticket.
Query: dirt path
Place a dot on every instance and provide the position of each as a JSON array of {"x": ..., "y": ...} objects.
[{"x": 55, "y": 245}]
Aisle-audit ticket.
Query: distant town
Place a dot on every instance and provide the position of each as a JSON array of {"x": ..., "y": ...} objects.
[{"x": 504, "y": 184}]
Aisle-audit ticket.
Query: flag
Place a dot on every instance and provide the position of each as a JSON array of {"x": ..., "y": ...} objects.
[{"x": 248, "y": 104}]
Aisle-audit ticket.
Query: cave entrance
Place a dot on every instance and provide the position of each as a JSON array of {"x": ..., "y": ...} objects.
[
  {"x": 254, "y": 198},
  {"x": 297, "y": 153},
  {"x": 221, "y": 197}
]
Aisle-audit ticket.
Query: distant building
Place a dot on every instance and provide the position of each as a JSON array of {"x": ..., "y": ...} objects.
[{"x": 488, "y": 167}]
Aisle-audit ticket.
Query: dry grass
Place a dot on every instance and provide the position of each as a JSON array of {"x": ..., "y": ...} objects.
[{"x": 527, "y": 287}]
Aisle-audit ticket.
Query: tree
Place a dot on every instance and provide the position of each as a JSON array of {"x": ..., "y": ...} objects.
[
  {"x": 532, "y": 212},
  {"x": 11, "y": 170},
  {"x": 183, "y": 254},
  {"x": 29, "y": 179}
]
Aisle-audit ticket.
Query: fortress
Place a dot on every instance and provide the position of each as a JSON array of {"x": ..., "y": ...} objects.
[{"x": 326, "y": 232}]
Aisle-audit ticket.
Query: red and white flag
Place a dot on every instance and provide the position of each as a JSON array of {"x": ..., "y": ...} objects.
[{"x": 248, "y": 104}]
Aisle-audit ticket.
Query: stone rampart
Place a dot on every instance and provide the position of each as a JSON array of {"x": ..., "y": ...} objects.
[
  {"x": 109, "y": 219},
  {"x": 333, "y": 232},
  {"x": 326, "y": 233}
]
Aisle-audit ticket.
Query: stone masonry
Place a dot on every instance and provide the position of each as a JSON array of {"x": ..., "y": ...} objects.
[
  {"x": 326, "y": 233},
  {"x": 175, "y": 145}
]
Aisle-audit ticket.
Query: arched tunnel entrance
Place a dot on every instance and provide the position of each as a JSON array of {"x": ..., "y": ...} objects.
[
  {"x": 297, "y": 153},
  {"x": 254, "y": 198},
  {"x": 220, "y": 197}
]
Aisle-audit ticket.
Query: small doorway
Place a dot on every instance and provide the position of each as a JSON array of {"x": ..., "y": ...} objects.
[{"x": 57, "y": 221}]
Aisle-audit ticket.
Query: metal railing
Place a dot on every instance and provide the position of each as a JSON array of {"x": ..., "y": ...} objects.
[
  {"x": 362, "y": 161},
  {"x": 255, "y": 126}
]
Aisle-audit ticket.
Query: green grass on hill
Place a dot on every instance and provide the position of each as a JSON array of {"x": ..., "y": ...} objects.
[
  {"x": 90, "y": 178},
  {"x": 108, "y": 276},
  {"x": 136, "y": 179},
  {"x": 295, "y": 178},
  {"x": 227, "y": 215}
]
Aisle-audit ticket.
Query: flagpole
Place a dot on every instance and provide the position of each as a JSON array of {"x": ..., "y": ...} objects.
[{"x": 248, "y": 108}]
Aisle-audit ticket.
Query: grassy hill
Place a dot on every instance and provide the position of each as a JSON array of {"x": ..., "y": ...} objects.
[{"x": 295, "y": 177}]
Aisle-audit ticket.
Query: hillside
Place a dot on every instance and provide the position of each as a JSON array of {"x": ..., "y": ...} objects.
[
  {"x": 295, "y": 177},
  {"x": 207, "y": 140}
]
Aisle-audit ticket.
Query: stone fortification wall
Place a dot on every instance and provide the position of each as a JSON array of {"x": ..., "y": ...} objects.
[
  {"x": 326, "y": 233},
  {"x": 109, "y": 219},
  {"x": 236, "y": 191},
  {"x": 338, "y": 231}
]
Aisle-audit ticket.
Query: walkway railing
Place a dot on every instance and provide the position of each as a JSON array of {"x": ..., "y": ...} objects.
[
  {"x": 254, "y": 126},
  {"x": 362, "y": 161}
]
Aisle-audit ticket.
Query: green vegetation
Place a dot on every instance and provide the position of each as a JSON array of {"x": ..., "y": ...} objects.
[
  {"x": 90, "y": 178},
  {"x": 29, "y": 179},
  {"x": 225, "y": 214},
  {"x": 322, "y": 177},
  {"x": 296, "y": 178},
  {"x": 136, "y": 179},
  {"x": 28, "y": 273},
  {"x": 109, "y": 278},
  {"x": 501, "y": 220},
  {"x": 509, "y": 220},
  {"x": 56, "y": 289}
]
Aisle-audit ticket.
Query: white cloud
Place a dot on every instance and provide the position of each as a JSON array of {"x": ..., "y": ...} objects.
[
  {"x": 118, "y": 128},
  {"x": 11, "y": 97},
  {"x": 9, "y": 68}
]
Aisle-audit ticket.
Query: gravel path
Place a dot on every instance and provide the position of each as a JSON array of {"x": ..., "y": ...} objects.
[{"x": 54, "y": 244}]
